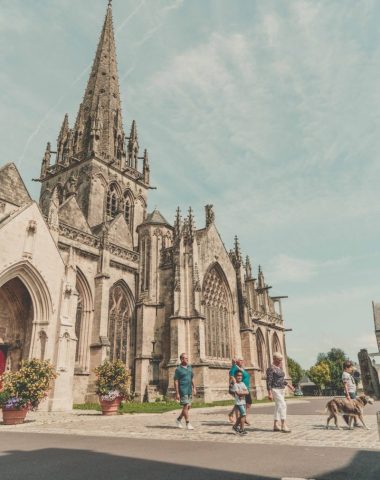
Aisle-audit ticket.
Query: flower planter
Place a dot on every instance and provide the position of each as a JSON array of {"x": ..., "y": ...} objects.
[
  {"x": 110, "y": 407},
  {"x": 14, "y": 416}
]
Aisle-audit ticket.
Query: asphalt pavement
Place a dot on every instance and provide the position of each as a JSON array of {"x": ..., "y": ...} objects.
[
  {"x": 63, "y": 457},
  {"x": 46, "y": 456}
]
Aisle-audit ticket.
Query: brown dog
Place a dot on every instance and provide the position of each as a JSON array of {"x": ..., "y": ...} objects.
[{"x": 352, "y": 408}]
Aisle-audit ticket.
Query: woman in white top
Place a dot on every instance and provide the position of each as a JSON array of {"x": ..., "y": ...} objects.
[{"x": 276, "y": 385}]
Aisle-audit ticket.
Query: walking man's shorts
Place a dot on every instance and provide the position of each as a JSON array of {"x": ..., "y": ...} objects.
[{"x": 186, "y": 399}]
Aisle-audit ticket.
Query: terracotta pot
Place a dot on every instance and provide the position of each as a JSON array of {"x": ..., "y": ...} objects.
[
  {"x": 110, "y": 407},
  {"x": 13, "y": 416}
]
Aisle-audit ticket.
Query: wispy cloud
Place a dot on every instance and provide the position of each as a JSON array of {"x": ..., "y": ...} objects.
[
  {"x": 269, "y": 110},
  {"x": 283, "y": 268}
]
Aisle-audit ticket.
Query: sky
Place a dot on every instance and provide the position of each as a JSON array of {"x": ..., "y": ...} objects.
[{"x": 269, "y": 110}]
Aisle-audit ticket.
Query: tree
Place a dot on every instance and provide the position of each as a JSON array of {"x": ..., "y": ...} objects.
[
  {"x": 295, "y": 371},
  {"x": 320, "y": 374},
  {"x": 335, "y": 359}
]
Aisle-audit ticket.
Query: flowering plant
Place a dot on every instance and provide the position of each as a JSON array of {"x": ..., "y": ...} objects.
[
  {"x": 10, "y": 403},
  {"x": 111, "y": 396},
  {"x": 113, "y": 380},
  {"x": 28, "y": 386}
]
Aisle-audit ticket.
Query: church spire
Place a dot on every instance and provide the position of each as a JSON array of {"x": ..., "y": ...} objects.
[{"x": 102, "y": 100}]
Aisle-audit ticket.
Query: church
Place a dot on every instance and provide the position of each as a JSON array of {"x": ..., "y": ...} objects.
[{"x": 88, "y": 273}]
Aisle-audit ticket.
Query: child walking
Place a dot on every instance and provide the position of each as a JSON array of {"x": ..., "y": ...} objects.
[{"x": 240, "y": 393}]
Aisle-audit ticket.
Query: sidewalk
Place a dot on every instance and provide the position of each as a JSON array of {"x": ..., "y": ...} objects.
[{"x": 210, "y": 425}]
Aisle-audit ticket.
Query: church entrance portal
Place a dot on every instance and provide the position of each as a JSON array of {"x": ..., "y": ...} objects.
[
  {"x": 16, "y": 322},
  {"x": 3, "y": 358}
]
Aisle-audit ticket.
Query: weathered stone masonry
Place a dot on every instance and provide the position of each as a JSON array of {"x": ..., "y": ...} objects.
[{"x": 89, "y": 274}]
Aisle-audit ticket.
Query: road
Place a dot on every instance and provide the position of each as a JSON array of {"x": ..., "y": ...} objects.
[
  {"x": 40, "y": 456},
  {"x": 64, "y": 457}
]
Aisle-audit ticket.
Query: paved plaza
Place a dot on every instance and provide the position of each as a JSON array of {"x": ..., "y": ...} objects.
[
  {"x": 306, "y": 419},
  {"x": 84, "y": 444}
]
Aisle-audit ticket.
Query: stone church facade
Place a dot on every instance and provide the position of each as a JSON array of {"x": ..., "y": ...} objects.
[{"x": 88, "y": 274}]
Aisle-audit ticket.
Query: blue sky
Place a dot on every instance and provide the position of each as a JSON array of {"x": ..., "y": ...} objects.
[{"x": 270, "y": 110}]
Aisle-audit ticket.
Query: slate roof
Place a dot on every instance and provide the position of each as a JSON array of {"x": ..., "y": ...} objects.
[
  {"x": 12, "y": 187},
  {"x": 156, "y": 217}
]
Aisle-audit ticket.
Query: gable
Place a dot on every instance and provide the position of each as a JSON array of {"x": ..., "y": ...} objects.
[
  {"x": 119, "y": 232},
  {"x": 71, "y": 214},
  {"x": 211, "y": 250},
  {"x": 12, "y": 187},
  {"x": 25, "y": 234}
]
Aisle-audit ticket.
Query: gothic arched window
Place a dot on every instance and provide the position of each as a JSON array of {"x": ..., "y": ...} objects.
[
  {"x": 112, "y": 201},
  {"x": 276, "y": 346},
  {"x": 128, "y": 203},
  {"x": 120, "y": 312},
  {"x": 260, "y": 345},
  {"x": 145, "y": 263},
  {"x": 83, "y": 322},
  {"x": 217, "y": 311},
  {"x": 78, "y": 323}
]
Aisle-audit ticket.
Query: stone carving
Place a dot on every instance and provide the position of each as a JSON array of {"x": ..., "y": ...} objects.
[
  {"x": 166, "y": 256},
  {"x": 74, "y": 234},
  {"x": 210, "y": 215},
  {"x": 32, "y": 227},
  {"x": 72, "y": 185},
  {"x": 123, "y": 253}
]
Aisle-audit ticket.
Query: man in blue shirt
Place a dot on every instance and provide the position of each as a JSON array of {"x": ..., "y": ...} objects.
[
  {"x": 184, "y": 389},
  {"x": 238, "y": 367}
]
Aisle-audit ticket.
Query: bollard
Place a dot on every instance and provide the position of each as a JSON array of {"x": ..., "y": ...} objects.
[{"x": 378, "y": 423}]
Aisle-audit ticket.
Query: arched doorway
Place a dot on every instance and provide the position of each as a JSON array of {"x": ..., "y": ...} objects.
[{"x": 16, "y": 324}]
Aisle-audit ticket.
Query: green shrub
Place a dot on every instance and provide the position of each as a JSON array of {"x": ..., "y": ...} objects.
[
  {"x": 28, "y": 386},
  {"x": 113, "y": 380}
]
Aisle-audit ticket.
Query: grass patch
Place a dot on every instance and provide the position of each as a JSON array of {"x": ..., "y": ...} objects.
[{"x": 159, "y": 407}]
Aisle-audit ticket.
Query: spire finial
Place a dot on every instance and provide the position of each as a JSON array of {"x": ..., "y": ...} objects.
[
  {"x": 237, "y": 248},
  {"x": 110, "y": 3}
]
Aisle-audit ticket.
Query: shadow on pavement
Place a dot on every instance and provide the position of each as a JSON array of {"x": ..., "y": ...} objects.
[
  {"x": 112, "y": 458},
  {"x": 364, "y": 466},
  {"x": 69, "y": 464},
  {"x": 164, "y": 427}
]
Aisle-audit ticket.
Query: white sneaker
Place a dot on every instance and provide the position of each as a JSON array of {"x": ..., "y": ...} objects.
[
  {"x": 178, "y": 423},
  {"x": 189, "y": 426}
]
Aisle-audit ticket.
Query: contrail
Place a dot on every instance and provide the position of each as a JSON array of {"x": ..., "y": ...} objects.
[
  {"x": 131, "y": 15},
  {"x": 151, "y": 32},
  {"x": 47, "y": 115},
  {"x": 127, "y": 73}
]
